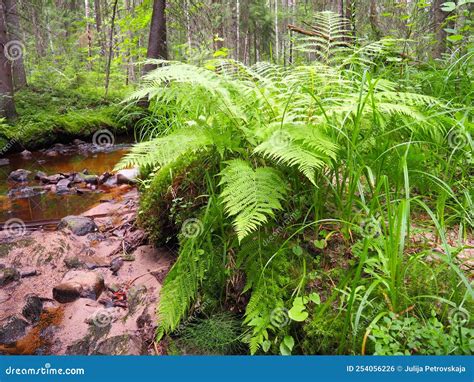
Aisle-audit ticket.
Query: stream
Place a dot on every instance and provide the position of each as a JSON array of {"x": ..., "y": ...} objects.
[{"x": 66, "y": 160}]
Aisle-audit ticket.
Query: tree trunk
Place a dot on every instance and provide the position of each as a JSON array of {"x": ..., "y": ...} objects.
[
  {"x": 340, "y": 7},
  {"x": 130, "y": 65},
  {"x": 111, "y": 51},
  {"x": 157, "y": 42},
  {"x": 88, "y": 35},
  {"x": 39, "y": 41},
  {"x": 14, "y": 33},
  {"x": 218, "y": 13},
  {"x": 7, "y": 103},
  {"x": 374, "y": 23},
  {"x": 237, "y": 29},
  {"x": 99, "y": 27},
  {"x": 439, "y": 20},
  {"x": 277, "y": 36}
]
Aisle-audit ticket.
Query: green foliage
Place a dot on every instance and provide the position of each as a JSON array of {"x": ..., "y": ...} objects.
[
  {"x": 158, "y": 195},
  {"x": 49, "y": 113},
  {"x": 410, "y": 336},
  {"x": 198, "y": 268},
  {"x": 218, "y": 334},
  {"x": 350, "y": 143},
  {"x": 250, "y": 195},
  {"x": 331, "y": 37}
]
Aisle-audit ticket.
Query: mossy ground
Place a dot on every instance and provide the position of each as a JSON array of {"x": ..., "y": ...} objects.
[{"x": 49, "y": 114}]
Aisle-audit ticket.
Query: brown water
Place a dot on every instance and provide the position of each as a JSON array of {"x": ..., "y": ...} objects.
[{"x": 50, "y": 205}]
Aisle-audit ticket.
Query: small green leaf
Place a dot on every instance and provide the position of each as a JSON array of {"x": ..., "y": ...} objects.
[
  {"x": 320, "y": 244},
  {"x": 300, "y": 301},
  {"x": 449, "y": 6},
  {"x": 289, "y": 342},
  {"x": 456, "y": 37},
  {"x": 284, "y": 350},
  {"x": 314, "y": 297},
  {"x": 298, "y": 313},
  {"x": 297, "y": 250},
  {"x": 266, "y": 346},
  {"x": 450, "y": 30}
]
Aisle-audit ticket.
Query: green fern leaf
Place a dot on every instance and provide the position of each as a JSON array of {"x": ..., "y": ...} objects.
[{"x": 250, "y": 196}]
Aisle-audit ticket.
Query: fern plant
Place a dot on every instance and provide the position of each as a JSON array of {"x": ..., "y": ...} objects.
[{"x": 276, "y": 131}]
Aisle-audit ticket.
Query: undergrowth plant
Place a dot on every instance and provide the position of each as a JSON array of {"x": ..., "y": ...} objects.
[{"x": 334, "y": 140}]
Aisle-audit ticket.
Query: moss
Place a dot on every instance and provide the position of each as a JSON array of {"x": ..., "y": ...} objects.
[
  {"x": 5, "y": 249},
  {"x": 49, "y": 115},
  {"x": 170, "y": 197}
]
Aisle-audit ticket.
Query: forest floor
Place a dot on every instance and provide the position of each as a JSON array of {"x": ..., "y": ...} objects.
[{"x": 90, "y": 287}]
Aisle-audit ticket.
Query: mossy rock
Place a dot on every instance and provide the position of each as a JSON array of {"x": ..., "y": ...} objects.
[
  {"x": 171, "y": 198},
  {"x": 8, "y": 275}
]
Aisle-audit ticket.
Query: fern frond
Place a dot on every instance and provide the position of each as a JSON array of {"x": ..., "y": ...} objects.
[
  {"x": 330, "y": 38},
  {"x": 250, "y": 196},
  {"x": 301, "y": 146},
  {"x": 164, "y": 150}
]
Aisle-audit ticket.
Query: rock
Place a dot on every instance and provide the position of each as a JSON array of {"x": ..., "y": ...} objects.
[
  {"x": 40, "y": 175},
  {"x": 33, "y": 308},
  {"x": 78, "y": 142},
  {"x": 52, "y": 153},
  {"x": 95, "y": 263},
  {"x": 111, "y": 182},
  {"x": 129, "y": 176},
  {"x": 12, "y": 329},
  {"x": 79, "y": 225},
  {"x": 125, "y": 344},
  {"x": 79, "y": 347},
  {"x": 28, "y": 272},
  {"x": 53, "y": 179},
  {"x": 86, "y": 178},
  {"x": 103, "y": 178},
  {"x": 82, "y": 191},
  {"x": 73, "y": 262},
  {"x": 144, "y": 319},
  {"x": 63, "y": 186},
  {"x": 19, "y": 175},
  {"x": 4, "y": 162},
  {"x": 24, "y": 192},
  {"x": 8, "y": 275},
  {"x": 76, "y": 284},
  {"x": 26, "y": 154},
  {"x": 115, "y": 265}
]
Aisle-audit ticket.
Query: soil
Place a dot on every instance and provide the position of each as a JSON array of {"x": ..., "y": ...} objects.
[{"x": 122, "y": 319}]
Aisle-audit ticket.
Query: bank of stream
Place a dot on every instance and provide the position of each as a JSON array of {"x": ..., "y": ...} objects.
[{"x": 77, "y": 275}]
